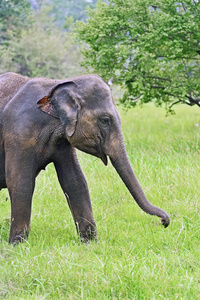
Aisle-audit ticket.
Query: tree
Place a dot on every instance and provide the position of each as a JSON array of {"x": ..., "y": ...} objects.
[
  {"x": 150, "y": 48},
  {"x": 42, "y": 50},
  {"x": 14, "y": 15}
]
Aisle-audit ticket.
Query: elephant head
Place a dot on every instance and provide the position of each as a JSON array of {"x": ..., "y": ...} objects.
[{"x": 92, "y": 124}]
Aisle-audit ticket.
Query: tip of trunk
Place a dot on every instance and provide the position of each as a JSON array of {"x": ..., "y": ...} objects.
[{"x": 165, "y": 221}]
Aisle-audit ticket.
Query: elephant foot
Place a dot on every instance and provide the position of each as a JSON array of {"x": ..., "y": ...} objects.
[
  {"x": 87, "y": 233},
  {"x": 18, "y": 237}
]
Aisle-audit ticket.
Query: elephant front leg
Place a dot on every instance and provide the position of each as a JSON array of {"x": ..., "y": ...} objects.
[
  {"x": 76, "y": 191},
  {"x": 83, "y": 218},
  {"x": 20, "y": 182}
]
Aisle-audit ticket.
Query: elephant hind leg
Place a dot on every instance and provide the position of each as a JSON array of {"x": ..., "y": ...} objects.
[
  {"x": 2, "y": 172},
  {"x": 3, "y": 184}
]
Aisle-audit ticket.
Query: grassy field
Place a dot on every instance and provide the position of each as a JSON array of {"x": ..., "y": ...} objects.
[{"x": 135, "y": 257}]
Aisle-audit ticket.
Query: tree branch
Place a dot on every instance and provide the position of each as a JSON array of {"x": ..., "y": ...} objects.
[
  {"x": 134, "y": 99},
  {"x": 193, "y": 101},
  {"x": 174, "y": 103}
]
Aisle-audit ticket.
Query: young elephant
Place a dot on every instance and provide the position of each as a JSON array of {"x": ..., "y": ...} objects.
[{"x": 43, "y": 121}]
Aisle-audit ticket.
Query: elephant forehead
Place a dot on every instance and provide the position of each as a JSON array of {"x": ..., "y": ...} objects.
[
  {"x": 90, "y": 82},
  {"x": 102, "y": 96},
  {"x": 92, "y": 114},
  {"x": 95, "y": 90},
  {"x": 99, "y": 104}
]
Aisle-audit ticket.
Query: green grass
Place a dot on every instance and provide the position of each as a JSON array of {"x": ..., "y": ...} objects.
[{"x": 135, "y": 257}]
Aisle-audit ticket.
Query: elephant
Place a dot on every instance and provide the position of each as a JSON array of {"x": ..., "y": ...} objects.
[{"x": 43, "y": 121}]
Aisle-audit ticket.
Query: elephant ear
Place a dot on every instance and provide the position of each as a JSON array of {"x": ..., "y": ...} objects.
[{"x": 62, "y": 103}]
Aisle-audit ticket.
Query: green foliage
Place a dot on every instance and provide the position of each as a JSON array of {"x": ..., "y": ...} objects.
[
  {"x": 135, "y": 257},
  {"x": 42, "y": 50},
  {"x": 14, "y": 16},
  {"x": 152, "y": 51}
]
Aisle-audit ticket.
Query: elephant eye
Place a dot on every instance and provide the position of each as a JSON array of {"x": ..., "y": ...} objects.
[{"x": 105, "y": 121}]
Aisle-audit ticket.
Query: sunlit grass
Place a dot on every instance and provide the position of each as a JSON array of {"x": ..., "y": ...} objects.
[{"x": 135, "y": 257}]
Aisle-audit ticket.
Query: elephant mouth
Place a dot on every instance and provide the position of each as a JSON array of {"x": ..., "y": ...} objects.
[
  {"x": 96, "y": 151},
  {"x": 99, "y": 150},
  {"x": 104, "y": 158}
]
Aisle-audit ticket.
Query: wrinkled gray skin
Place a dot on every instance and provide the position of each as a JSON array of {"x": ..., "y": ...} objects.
[{"x": 43, "y": 121}]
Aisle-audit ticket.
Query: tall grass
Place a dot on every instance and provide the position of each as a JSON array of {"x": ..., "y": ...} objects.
[{"x": 135, "y": 257}]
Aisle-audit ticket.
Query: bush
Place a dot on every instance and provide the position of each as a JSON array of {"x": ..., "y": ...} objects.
[{"x": 41, "y": 50}]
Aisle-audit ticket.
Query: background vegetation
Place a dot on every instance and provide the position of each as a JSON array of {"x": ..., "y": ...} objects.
[
  {"x": 36, "y": 38},
  {"x": 152, "y": 52},
  {"x": 150, "y": 48}
]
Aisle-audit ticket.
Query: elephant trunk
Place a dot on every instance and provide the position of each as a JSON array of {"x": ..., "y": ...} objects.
[{"x": 122, "y": 165}]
